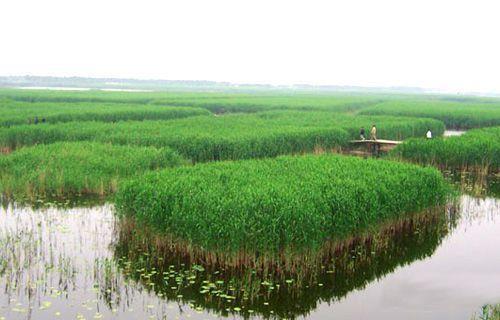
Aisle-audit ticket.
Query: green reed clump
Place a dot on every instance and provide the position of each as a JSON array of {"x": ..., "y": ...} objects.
[
  {"x": 488, "y": 312},
  {"x": 230, "y": 137},
  {"x": 388, "y": 127},
  {"x": 71, "y": 168},
  {"x": 199, "y": 139},
  {"x": 476, "y": 149},
  {"x": 230, "y": 103},
  {"x": 274, "y": 203},
  {"x": 219, "y": 102},
  {"x": 58, "y": 96},
  {"x": 456, "y": 114},
  {"x": 21, "y": 112}
]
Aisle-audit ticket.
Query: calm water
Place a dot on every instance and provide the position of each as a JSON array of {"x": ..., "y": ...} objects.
[
  {"x": 54, "y": 88},
  {"x": 462, "y": 274},
  {"x": 75, "y": 264},
  {"x": 453, "y": 133},
  {"x": 85, "y": 89}
]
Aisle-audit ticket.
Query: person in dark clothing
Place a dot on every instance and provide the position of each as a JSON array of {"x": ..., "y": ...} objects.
[
  {"x": 36, "y": 120},
  {"x": 362, "y": 133}
]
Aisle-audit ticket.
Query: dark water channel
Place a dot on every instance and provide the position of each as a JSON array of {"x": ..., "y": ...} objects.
[{"x": 74, "y": 264}]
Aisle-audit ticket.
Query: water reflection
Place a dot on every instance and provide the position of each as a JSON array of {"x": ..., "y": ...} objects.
[
  {"x": 461, "y": 276},
  {"x": 80, "y": 202},
  {"x": 77, "y": 264},
  {"x": 475, "y": 185},
  {"x": 283, "y": 292}
]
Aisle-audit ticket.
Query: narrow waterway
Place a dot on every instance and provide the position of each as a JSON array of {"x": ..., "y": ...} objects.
[
  {"x": 72, "y": 264},
  {"x": 453, "y": 133}
]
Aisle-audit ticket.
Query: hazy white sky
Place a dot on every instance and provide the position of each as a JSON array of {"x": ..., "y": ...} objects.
[{"x": 446, "y": 44}]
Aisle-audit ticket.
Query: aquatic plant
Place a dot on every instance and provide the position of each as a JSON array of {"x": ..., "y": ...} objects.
[
  {"x": 477, "y": 150},
  {"x": 202, "y": 139},
  {"x": 231, "y": 103},
  {"x": 457, "y": 115},
  {"x": 70, "y": 168},
  {"x": 388, "y": 127},
  {"x": 231, "y": 137},
  {"x": 456, "y": 112},
  {"x": 218, "y": 102},
  {"x": 488, "y": 312},
  {"x": 270, "y": 204},
  {"x": 72, "y": 259},
  {"x": 302, "y": 280},
  {"x": 17, "y": 113}
]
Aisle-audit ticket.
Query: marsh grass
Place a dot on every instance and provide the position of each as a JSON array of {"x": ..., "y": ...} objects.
[
  {"x": 231, "y": 137},
  {"x": 217, "y": 102},
  {"x": 455, "y": 114},
  {"x": 270, "y": 204},
  {"x": 199, "y": 139},
  {"x": 66, "y": 169},
  {"x": 488, "y": 312},
  {"x": 477, "y": 151},
  {"x": 14, "y": 113}
]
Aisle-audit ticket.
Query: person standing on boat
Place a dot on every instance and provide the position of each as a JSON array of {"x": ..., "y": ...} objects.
[
  {"x": 362, "y": 133},
  {"x": 429, "y": 134},
  {"x": 373, "y": 133}
]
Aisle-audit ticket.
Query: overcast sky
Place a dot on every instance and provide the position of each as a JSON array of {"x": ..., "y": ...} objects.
[{"x": 446, "y": 44}]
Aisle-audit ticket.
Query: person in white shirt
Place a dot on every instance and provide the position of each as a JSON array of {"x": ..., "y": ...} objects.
[
  {"x": 429, "y": 134},
  {"x": 373, "y": 133}
]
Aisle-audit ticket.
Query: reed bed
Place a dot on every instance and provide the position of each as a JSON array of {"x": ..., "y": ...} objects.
[
  {"x": 266, "y": 205},
  {"x": 457, "y": 112},
  {"x": 232, "y": 137},
  {"x": 477, "y": 151},
  {"x": 17, "y": 113},
  {"x": 75, "y": 168},
  {"x": 456, "y": 115},
  {"x": 255, "y": 103},
  {"x": 388, "y": 127},
  {"x": 200, "y": 139},
  {"x": 218, "y": 102},
  {"x": 488, "y": 312}
]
